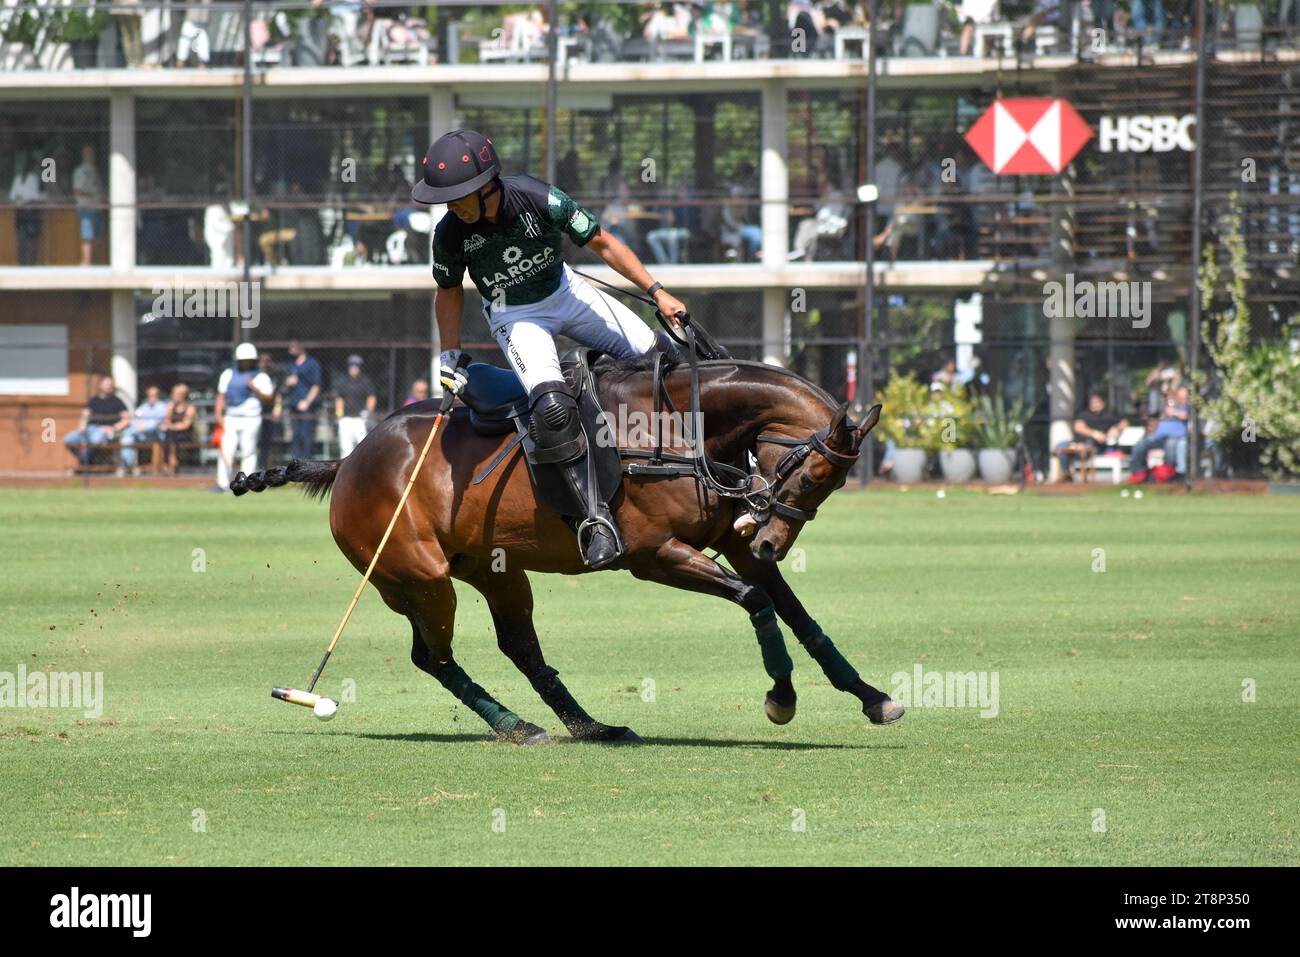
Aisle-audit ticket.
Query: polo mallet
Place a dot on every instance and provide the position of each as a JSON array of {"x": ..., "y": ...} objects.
[{"x": 321, "y": 706}]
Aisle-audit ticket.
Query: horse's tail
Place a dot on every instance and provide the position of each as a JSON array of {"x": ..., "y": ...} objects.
[{"x": 314, "y": 475}]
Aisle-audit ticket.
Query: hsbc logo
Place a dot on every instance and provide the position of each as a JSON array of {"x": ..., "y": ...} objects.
[
  {"x": 1028, "y": 136},
  {"x": 1142, "y": 134}
]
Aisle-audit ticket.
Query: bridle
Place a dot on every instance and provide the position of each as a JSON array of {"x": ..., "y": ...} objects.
[{"x": 786, "y": 466}]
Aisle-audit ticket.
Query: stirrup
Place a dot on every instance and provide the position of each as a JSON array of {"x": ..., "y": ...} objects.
[{"x": 596, "y": 521}]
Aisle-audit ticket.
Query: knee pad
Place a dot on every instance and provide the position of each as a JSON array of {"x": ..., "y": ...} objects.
[{"x": 555, "y": 427}]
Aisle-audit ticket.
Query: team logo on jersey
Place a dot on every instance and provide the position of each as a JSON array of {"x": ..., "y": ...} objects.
[
  {"x": 531, "y": 229},
  {"x": 474, "y": 242},
  {"x": 579, "y": 221},
  {"x": 511, "y": 255}
]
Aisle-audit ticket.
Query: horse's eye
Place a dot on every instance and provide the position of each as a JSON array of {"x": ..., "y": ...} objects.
[{"x": 806, "y": 483}]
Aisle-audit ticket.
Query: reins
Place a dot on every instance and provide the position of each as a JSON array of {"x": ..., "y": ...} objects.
[{"x": 761, "y": 501}]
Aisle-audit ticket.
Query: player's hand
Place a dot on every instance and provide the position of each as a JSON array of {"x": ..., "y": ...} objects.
[
  {"x": 669, "y": 305},
  {"x": 451, "y": 370}
]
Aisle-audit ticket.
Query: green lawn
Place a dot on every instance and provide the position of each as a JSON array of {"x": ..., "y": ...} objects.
[{"x": 1119, "y": 691}]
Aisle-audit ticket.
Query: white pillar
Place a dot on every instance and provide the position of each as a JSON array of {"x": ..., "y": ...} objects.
[
  {"x": 121, "y": 181},
  {"x": 774, "y": 189},
  {"x": 442, "y": 119},
  {"x": 1063, "y": 395},
  {"x": 124, "y": 358}
]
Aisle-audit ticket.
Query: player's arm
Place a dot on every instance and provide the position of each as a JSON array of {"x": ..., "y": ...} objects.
[
  {"x": 449, "y": 308},
  {"x": 627, "y": 264}
]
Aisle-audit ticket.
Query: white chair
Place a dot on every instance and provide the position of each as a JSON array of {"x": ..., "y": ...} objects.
[
  {"x": 845, "y": 36},
  {"x": 703, "y": 41}
]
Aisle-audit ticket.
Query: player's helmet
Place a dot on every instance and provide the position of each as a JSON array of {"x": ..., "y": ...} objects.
[{"x": 457, "y": 164}]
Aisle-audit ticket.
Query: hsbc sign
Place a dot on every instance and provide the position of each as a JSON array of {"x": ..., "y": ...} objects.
[
  {"x": 1142, "y": 134},
  {"x": 1029, "y": 136}
]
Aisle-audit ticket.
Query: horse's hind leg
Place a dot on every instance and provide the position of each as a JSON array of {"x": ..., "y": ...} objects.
[
  {"x": 510, "y": 599},
  {"x": 431, "y": 607},
  {"x": 876, "y": 705}
]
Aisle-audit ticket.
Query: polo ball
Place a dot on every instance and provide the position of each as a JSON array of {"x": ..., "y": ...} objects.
[{"x": 325, "y": 708}]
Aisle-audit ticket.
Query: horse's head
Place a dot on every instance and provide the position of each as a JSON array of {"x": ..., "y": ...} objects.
[{"x": 803, "y": 472}]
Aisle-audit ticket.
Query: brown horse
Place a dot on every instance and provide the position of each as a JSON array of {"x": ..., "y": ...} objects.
[{"x": 492, "y": 534}]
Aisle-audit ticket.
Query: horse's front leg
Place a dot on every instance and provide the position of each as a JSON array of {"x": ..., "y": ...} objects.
[
  {"x": 876, "y": 705},
  {"x": 677, "y": 564}
]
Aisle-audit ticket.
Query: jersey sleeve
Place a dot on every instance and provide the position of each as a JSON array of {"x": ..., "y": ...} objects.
[
  {"x": 448, "y": 261},
  {"x": 574, "y": 221},
  {"x": 223, "y": 383}
]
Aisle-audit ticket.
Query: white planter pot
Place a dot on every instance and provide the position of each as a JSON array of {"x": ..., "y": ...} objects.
[
  {"x": 909, "y": 465},
  {"x": 996, "y": 464},
  {"x": 958, "y": 465}
]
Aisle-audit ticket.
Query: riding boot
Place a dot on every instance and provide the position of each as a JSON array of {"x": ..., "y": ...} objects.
[{"x": 599, "y": 542}]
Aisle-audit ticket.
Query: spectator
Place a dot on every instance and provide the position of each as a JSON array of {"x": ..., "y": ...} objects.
[
  {"x": 149, "y": 417},
  {"x": 88, "y": 191},
  {"x": 355, "y": 401},
  {"x": 830, "y": 222},
  {"x": 303, "y": 388},
  {"x": 1147, "y": 14},
  {"x": 971, "y": 13},
  {"x": 945, "y": 377},
  {"x": 1095, "y": 430},
  {"x": 177, "y": 429},
  {"x": 241, "y": 390},
  {"x": 1169, "y": 430},
  {"x": 668, "y": 21},
  {"x": 419, "y": 392},
  {"x": 26, "y": 193},
  {"x": 272, "y": 411},
  {"x": 127, "y": 15},
  {"x": 666, "y": 241},
  {"x": 1160, "y": 381},
  {"x": 194, "y": 34},
  {"x": 806, "y": 22},
  {"x": 742, "y": 236},
  {"x": 102, "y": 421}
]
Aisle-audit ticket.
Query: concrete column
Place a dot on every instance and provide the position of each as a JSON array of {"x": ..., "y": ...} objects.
[
  {"x": 442, "y": 119},
  {"x": 121, "y": 181},
  {"x": 123, "y": 364},
  {"x": 1063, "y": 394},
  {"x": 774, "y": 190}
]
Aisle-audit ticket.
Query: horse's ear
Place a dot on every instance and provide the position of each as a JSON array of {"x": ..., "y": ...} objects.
[
  {"x": 869, "y": 423},
  {"x": 839, "y": 429}
]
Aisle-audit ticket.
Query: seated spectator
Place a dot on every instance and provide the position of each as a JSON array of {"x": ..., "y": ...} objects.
[
  {"x": 194, "y": 35},
  {"x": 668, "y": 21},
  {"x": 741, "y": 234},
  {"x": 149, "y": 417},
  {"x": 1095, "y": 431},
  {"x": 102, "y": 420},
  {"x": 419, "y": 392},
  {"x": 945, "y": 377},
  {"x": 1045, "y": 12},
  {"x": 904, "y": 224},
  {"x": 830, "y": 222},
  {"x": 971, "y": 13},
  {"x": 177, "y": 429},
  {"x": 1171, "y": 427}
]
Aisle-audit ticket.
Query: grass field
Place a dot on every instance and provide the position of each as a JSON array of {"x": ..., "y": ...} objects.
[{"x": 1120, "y": 691}]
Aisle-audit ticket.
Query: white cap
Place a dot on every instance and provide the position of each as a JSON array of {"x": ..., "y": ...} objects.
[{"x": 245, "y": 350}]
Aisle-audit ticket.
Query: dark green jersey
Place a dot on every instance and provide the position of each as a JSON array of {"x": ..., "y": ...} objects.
[{"x": 518, "y": 259}]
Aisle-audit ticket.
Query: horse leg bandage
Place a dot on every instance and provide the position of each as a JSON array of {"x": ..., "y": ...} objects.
[
  {"x": 842, "y": 675},
  {"x": 498, "y": 716},
  {"x": 776, "y": 660}
]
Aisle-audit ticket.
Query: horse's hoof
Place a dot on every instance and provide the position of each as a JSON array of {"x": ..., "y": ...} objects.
[
  {"x": 776, "y": 712},
  {"x": 525, "y": 733},
  {"x": 884, "y": 712},
  {"x": 608, "y": 734}
]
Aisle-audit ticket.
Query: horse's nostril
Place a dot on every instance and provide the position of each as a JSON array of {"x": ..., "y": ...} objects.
[{"x": 766, "y": 550}]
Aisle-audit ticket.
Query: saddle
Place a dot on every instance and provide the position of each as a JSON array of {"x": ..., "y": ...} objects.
[{"x": 498, "y": 405}]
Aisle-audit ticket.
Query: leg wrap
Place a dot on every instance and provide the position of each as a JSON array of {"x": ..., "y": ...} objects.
[
  {"x": 452, "y": 677},
  {"x": 842, "y": 675},
  {"x": 551, "y": 690},
  {"x": 776, "y": 660}
]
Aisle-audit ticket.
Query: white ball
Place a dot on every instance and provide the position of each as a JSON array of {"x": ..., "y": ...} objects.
[
  {"x": 325, "y": 708},
  {"x": 1123, "y": 493},
  {"x": 939, "y": 494},
  {"x": 1137, "y": 494}
]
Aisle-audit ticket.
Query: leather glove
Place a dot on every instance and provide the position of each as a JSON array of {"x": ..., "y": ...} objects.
[{"x": 452, "y": 366}]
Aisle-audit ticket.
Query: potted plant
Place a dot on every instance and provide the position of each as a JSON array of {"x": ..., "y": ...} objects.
[
  {"x": 953, "y": 432},
  {"x": 904, "y": 425},
  {"x": 999, "y": 430},
  {"x": 80, "y": 29}
]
